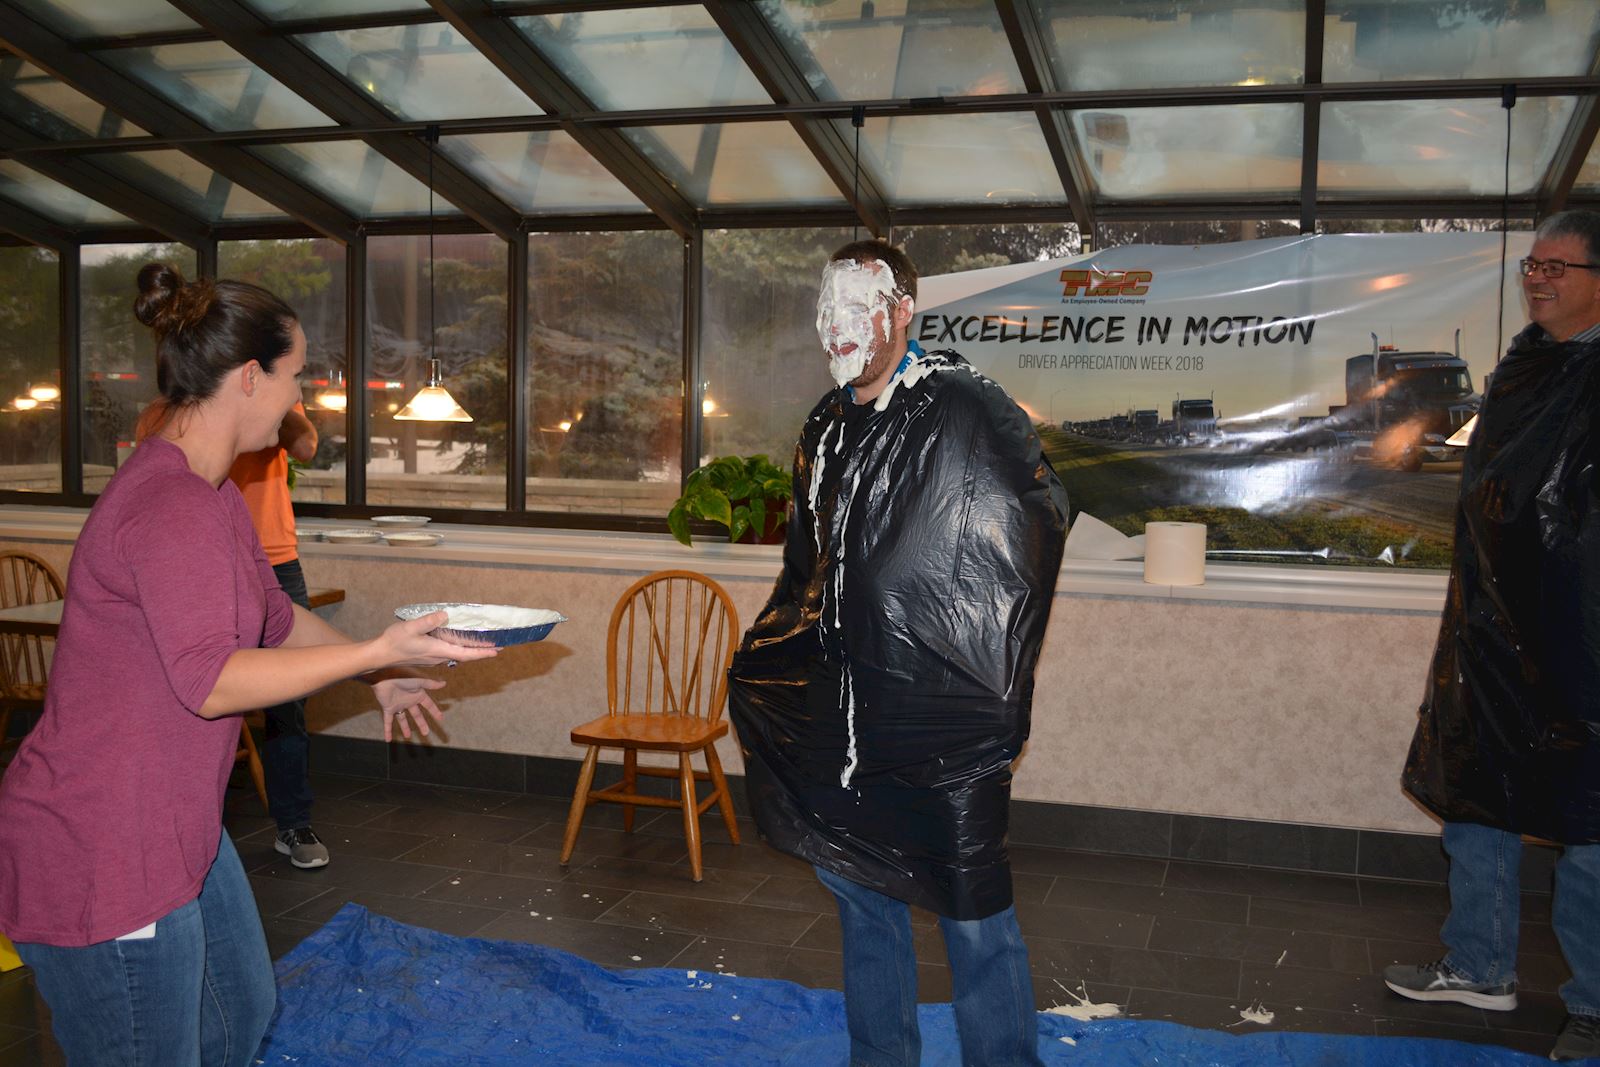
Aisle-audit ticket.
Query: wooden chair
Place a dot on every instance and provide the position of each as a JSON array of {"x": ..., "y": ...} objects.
[
  {"x": 252, "y": 760},
  {"x": 24, "y": 658},
  {"x": 670, "y": 642}
]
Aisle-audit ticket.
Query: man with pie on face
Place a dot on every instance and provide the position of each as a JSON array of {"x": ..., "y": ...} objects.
[
  {"x": 1508, "y": 740},
  {"x": 885, "y": 689}
]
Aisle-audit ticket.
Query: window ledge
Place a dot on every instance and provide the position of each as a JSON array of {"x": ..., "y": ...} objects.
[{"x": 1363, "y": 588}]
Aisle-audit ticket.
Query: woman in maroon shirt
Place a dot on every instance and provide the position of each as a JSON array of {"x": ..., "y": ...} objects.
[{"x": 117, "y": 882}]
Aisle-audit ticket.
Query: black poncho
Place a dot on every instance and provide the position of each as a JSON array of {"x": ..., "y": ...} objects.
[
  {"x": 1510, "y": 732},
  {"x": 884, "y": 690}
]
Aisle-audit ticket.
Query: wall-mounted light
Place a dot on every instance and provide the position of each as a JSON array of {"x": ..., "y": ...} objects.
[
  {"x": 24, "y": 403},
  {"x": 45, "y": 393}
]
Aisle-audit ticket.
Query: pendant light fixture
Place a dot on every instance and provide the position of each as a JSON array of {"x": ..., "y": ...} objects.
[{"x": 433, "y": 402}]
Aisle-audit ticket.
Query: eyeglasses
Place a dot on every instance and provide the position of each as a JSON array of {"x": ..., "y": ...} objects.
[{"x": 1551, "y": 268}]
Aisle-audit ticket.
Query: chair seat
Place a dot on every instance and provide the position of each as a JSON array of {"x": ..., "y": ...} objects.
[{"x": 658, "y": 733}]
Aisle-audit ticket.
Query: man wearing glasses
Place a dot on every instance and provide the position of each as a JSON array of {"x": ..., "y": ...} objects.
[{"x": 1508, "y": 739}]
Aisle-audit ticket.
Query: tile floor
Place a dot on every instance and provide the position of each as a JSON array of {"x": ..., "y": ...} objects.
[{"x": 1188, "y": 942}]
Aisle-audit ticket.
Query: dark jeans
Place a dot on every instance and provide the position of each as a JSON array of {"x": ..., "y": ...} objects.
[
  {"x": 198, "y": 994},
  {"x": 993, "y": 994},
  {"x": 286, "y": 757}
]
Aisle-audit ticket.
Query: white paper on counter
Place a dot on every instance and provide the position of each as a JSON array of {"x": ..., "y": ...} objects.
[{"x": 1090, "y": 538}]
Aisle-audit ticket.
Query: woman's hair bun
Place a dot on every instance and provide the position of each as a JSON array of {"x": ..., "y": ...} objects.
[{"x": 166, "y": 303}]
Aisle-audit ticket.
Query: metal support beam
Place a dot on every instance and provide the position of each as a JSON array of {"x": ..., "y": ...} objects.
[
  {"x": 83, "y": 177},
  {"x": 693, "y": 364},
  {"x": 357, "y": 448},
  {"x": 68, "y": 332},
  {"x": 250, "y": 35},
  {"x": 480, "y": 23},
  {"x": 22, "y": 34},
  {"x": 1032, "y": 52},
  {"x": 1311, "y": 130},
  {"x": 206, "y": 259},
  {"x": 34, "y": 228},
  {"x": 518, "y": 376},
  {"x": 753, "y": 38},
  {"x": 1571, "y": 154}
]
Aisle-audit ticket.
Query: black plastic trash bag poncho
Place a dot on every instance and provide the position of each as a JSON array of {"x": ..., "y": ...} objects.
[
  {"x": 1509, "y": 734},
  {"x": 883, "y": 692}
]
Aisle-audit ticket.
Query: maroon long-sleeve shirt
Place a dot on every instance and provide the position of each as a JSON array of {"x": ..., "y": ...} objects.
[{"x": 111, "y": 813}]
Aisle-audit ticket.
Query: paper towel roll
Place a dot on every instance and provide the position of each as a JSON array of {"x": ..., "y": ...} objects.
[{"x": 1175, "y": 553}]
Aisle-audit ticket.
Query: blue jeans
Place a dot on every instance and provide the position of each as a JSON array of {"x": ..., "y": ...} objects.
[
  {"x": 286, "y": 757},
  {"x": 988, "y": 963},
  {"x": 198, "y": 994},
  {"x": 1485, "y": 905}
]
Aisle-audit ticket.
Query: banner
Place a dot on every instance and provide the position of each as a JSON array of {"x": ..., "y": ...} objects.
[{"x": 1298, "y": 395}]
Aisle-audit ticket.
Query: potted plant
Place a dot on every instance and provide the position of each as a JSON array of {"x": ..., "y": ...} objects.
[{"x": 746, "y": 494}]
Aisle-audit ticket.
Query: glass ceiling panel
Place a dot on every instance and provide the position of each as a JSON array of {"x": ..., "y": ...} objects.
[
  {"x": 998, "y": 158},
  {"x": 1443, "y": 147},
  {"x": 316, "y": 9},
  {"x": 51, "y": 199},
  {"x": 106, "y": 18},
  {"x": 744, "y": 163},
  {"x": 901, "y": 49},
  {"x": 540, "y": 172},
  {"x": 1401, "y": 40},
  {"x": 48, "y": 107},
  {"x": 421, "y": 72},
  {"x": 354, "y": 176},
  {"x": 189, "y": 186},
  {"x": 1589, "y": 176},
  {"x": 217, "y": 85},
  {"x": 627, "y": 60},
  {"x": 1192, "y": 152},
  {"x": 1167, "y": 43}
]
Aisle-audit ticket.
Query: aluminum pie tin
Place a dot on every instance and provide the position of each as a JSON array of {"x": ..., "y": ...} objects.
[
  {"x": 523, "y": 624},
  {"x": 401, "y": 522}
]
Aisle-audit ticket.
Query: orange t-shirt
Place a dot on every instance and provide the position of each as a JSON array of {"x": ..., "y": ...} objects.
[{"x": 263, "y": 478}]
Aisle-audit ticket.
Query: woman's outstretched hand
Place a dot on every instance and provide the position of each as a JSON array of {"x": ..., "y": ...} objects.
[
  {"x": 399, "y": 696},
  {"x": 410, "y": 644}
]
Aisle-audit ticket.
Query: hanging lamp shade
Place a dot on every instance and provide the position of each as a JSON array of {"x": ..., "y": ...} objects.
[{"x": 433, "y": 402}]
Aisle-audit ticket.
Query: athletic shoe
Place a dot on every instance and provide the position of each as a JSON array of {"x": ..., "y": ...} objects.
[
  {"x": 1436, "y": 981},
  {"x": 1579, "y": 1038},
  {"x": 302, "y": 847}
]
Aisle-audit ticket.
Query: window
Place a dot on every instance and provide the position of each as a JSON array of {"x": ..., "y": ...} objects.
[
  {"x": 30, "y": 409},
  {"x": 309, "y": 276},
  {"x": 118, "y": 352},
  {"x": 605, "y": 357},
  {"x": 463, "y": 325},
  {"x": 764, "y": 368}
]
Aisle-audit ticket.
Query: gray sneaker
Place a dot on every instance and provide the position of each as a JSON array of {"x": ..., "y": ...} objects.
[
  {"x": 1579, "y": 1038},
  {"x": 302, "y": 847},
  {"x": 1436, "y": 981}
]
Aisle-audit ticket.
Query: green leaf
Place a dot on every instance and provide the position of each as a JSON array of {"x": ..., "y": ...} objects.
[
  {"x": 758, "y": 517},
  {"x": 715, "y": 507},
  {"x": 678, "y": 523},
  {"x": 739, "y": 523}
]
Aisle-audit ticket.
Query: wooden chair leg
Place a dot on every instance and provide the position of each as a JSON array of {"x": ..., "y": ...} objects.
[
  {"x": 724, "y": 799},
  {"x": 691, "y": 817},
  {"x": 630, "y": 780},
  {"x": 5, "y": 724},
  {"x": 247, "y": 745},
  {"x": 580, "y": 797}
]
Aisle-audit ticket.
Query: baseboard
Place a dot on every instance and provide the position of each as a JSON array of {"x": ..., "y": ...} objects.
[{"x": 1161, "y": 835}]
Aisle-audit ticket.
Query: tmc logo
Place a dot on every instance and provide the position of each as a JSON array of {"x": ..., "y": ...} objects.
[{"x": 1097, "y": 282}]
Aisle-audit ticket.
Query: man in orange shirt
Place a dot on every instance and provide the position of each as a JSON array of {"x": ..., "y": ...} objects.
[{"x": 263, "y": 479}]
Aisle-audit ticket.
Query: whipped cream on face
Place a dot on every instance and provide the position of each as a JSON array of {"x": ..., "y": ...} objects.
[{"x": 853, "y": 296}]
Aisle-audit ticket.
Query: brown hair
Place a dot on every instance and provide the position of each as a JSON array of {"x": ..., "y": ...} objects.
[
  {"x": 206, "y": 329},
  {"x": 899, "y": 264}
]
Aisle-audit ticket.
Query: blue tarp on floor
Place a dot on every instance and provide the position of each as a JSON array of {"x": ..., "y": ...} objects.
[{"x": 368, "y": 990}]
